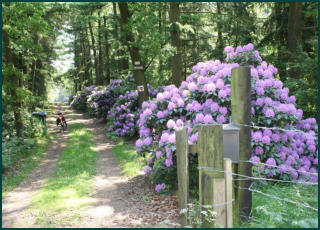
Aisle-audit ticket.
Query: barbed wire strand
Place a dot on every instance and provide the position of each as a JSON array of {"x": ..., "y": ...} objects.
[
  {"x": 278, "y": 198},
  {"x": 256, "y": 178},
  {"x": 276, "y": 166},
  {"x": 276, "y": 128}
]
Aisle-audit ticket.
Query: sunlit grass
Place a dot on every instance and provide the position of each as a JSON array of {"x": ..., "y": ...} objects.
[
  {"x": 127, "y": 158},
  {"x": 271, "y": 213},
  {"x": 68, "y": 190}
]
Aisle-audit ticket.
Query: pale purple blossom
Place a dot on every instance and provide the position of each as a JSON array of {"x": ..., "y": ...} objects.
[{"x": 160, "y": 187}]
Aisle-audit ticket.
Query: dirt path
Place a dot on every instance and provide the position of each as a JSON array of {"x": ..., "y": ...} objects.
[
  {"x": 118, "y": 201},
  {"x": 17, "y": 201}
]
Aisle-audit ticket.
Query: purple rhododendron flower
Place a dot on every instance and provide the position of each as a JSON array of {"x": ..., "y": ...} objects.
[
  {"x": 192, "y": 86},
  {"x": 171, "y": 124},
  {"x": 158, "y": 154},
  {"x": 147, "y": 169},
  {"x": 172, "y": 138},
  {"x": 169, "y": 162},
  {"x": 160, "y": 187},
  {"x": 208, "y": 119},
  {"x": 255, "y": 160},
  {"x": 139, "y": 143},
  {"x": 222, "y": 94},
  {"x": 271, "y": 162},
  {"x": 221, "y": 119}
]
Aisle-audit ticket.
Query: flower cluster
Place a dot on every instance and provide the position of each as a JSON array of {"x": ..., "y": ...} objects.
[
  {"x": 205, "y": 98},
  {"x": 124, "y": 114},
  {"x": 244, "y": 56}
]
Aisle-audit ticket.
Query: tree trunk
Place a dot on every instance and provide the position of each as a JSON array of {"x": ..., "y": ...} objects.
[
  {"x": 123, "y": 60},
  {"x": 14, "y": 80},
  {"x": 294, "y": 34},
  {"x": 138, "y": 73},
  {"x": 116, "y": 36},
  {"x": 100, "y": 51},
  {"x": 175, "y": 40},
  {"x": 89, "y": 63},
  {"x": 97, "y": 80},
  {"x": 220, "y": 44},
  {"x": 34, "y": 66},
  {"x": 40, "y": 79},
  {"x": 84, "y": 59},
  {"x": 160, "y": 32},
  {"x": 107, "y": 52}
]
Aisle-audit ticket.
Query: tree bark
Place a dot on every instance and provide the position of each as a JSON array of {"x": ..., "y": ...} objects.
[
  {"x": 294, "y": 34},
  {"x": 115, "y": 35},
  {"x": 107, "y": 52},
  {"x": 123, "y": 63},
  {"x": 97, "y": 80},
  {"x": 14, "y": 80},
  {"x": 89, "y": 62},
  {"x": 100, "y": 51},
  {"x": 175, "y": 40},
  {"x": 138, "y": 74},
  {"x": 220, "y": 44},
  {"x": 160, "y": 32}
]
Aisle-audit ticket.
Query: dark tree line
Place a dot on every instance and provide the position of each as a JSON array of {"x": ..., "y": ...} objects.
[{"x": 156, "y": 42}]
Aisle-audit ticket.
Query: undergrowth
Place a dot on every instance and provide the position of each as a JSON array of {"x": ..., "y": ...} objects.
[{"x": 269, "y": 212}]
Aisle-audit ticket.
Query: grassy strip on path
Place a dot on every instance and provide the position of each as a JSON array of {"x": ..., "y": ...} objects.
[
  {"x": 268, "y": 212},
  {"x": 68, "y": 190},
  {"x": 127, "y": 158},
  {"x": 12, "y": 179}
]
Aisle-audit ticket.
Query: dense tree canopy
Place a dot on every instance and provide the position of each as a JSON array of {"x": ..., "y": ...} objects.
[{"x": 156, "y": 43}]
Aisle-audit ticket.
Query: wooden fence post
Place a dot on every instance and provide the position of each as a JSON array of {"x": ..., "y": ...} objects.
[
  {"x": 183, "y": 172},
  {"x": 241, "y": 114},
  {"x": 210, "y": 148},
  {"x": 228, "y": 185}
]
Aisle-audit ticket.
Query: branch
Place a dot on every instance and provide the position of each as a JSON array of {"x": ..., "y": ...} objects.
[{"x": 145, "y": 69}]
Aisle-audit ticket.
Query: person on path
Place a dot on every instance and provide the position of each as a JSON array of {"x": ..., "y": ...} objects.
[{"x": 61, "y": 119}]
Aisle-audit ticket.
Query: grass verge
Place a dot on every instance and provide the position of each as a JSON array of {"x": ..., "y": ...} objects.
[
  {"x": 127, "y": 158},
  {"x": 68, "y": 190},
  {"x": 268, "y": 212},
  {"x": 26, "y": 165}
]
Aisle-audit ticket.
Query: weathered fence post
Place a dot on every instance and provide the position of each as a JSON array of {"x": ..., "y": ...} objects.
[
  {"x": 210, "y": 148},
  {"x": 228, "y": 183},
  {"x": 241, "y": 114},
  {"x": 183, "y": 172}
]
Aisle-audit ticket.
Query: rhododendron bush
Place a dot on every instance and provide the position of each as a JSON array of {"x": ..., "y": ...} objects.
[
  {"x": 117, "y": 103},
  {"x": 101, "y": 101},
  {"x": 205, "y": 98},
  {"x": 80, "y": 101},
  {"x": 125, "y": 112}
]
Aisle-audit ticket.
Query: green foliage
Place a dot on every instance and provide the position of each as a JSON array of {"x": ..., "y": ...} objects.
[
  {"x": 15, "y": 149},
  {"x": 271, "y": 213},
  {"x": 196, "y": 216}
]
